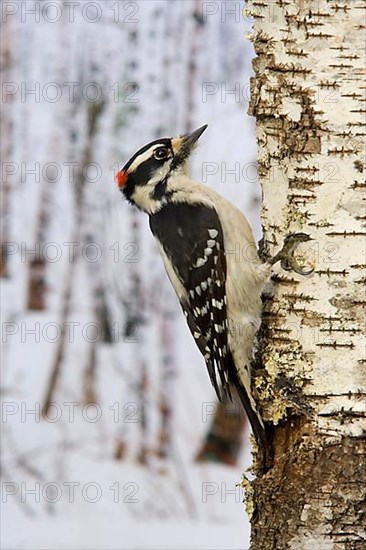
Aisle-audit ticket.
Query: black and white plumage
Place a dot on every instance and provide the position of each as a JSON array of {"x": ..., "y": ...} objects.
[
  {"x": 197, "y": 252},
  {"x": 198, "y": 233}
]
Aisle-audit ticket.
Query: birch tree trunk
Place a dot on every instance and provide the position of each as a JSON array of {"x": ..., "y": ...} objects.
[{"x": 308, "y": 99}]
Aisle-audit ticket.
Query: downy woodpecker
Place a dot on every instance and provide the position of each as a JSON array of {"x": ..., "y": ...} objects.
[{"x": 197, "y": 232}]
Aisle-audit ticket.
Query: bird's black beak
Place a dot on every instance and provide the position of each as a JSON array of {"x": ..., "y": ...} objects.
[
  {"x": 193, "y": 137},
  {"x": 184, "y": 145}
]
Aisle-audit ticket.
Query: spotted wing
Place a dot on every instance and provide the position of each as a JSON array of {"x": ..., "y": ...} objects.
[{"x": 193, "y": 242}]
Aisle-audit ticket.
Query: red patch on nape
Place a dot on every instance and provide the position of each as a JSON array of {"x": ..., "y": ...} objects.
[{"x": 121, "y": 178}]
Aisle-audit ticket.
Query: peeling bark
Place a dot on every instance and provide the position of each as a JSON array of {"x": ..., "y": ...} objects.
[{"x": 308, "y": 97}]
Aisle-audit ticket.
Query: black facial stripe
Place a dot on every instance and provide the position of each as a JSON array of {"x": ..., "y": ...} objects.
[
  {"x": 160, "y": 190},
  {"x": 140, "y": 176},
  {"x": 143, "y": 173},
  {"x": 164, "y": 142}
]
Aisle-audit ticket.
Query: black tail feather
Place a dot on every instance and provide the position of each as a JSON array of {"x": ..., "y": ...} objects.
[{"x": 258, "y": 427}]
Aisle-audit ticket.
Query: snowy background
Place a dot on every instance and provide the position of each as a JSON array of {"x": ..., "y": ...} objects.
[{"x": 107, "y": 412}]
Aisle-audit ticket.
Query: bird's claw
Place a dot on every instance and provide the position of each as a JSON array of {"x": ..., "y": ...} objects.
[
  {"x": 286, "y": 255},
  {"x": 293, "y": 265}
]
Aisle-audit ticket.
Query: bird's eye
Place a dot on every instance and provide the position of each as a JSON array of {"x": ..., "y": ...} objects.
[{"x": 161, "y": 153}]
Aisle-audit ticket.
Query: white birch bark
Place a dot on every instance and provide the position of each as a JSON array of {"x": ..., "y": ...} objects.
[{"x": 308, "y": 97}]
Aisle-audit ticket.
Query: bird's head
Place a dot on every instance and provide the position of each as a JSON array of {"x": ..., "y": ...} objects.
[{"x": 144, "y": 179}]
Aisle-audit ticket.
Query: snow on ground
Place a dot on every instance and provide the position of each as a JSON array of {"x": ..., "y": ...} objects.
[{"x": 62, "y": 488}]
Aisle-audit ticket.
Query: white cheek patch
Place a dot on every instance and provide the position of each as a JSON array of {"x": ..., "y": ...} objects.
[
  {"x": 143, "y": 194},
  {"x": 161, "y": 173},
  {"x": 142, "y": 197}
]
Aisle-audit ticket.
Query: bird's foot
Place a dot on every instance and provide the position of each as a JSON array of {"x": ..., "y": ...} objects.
[{"x": 286, "y": 254}]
